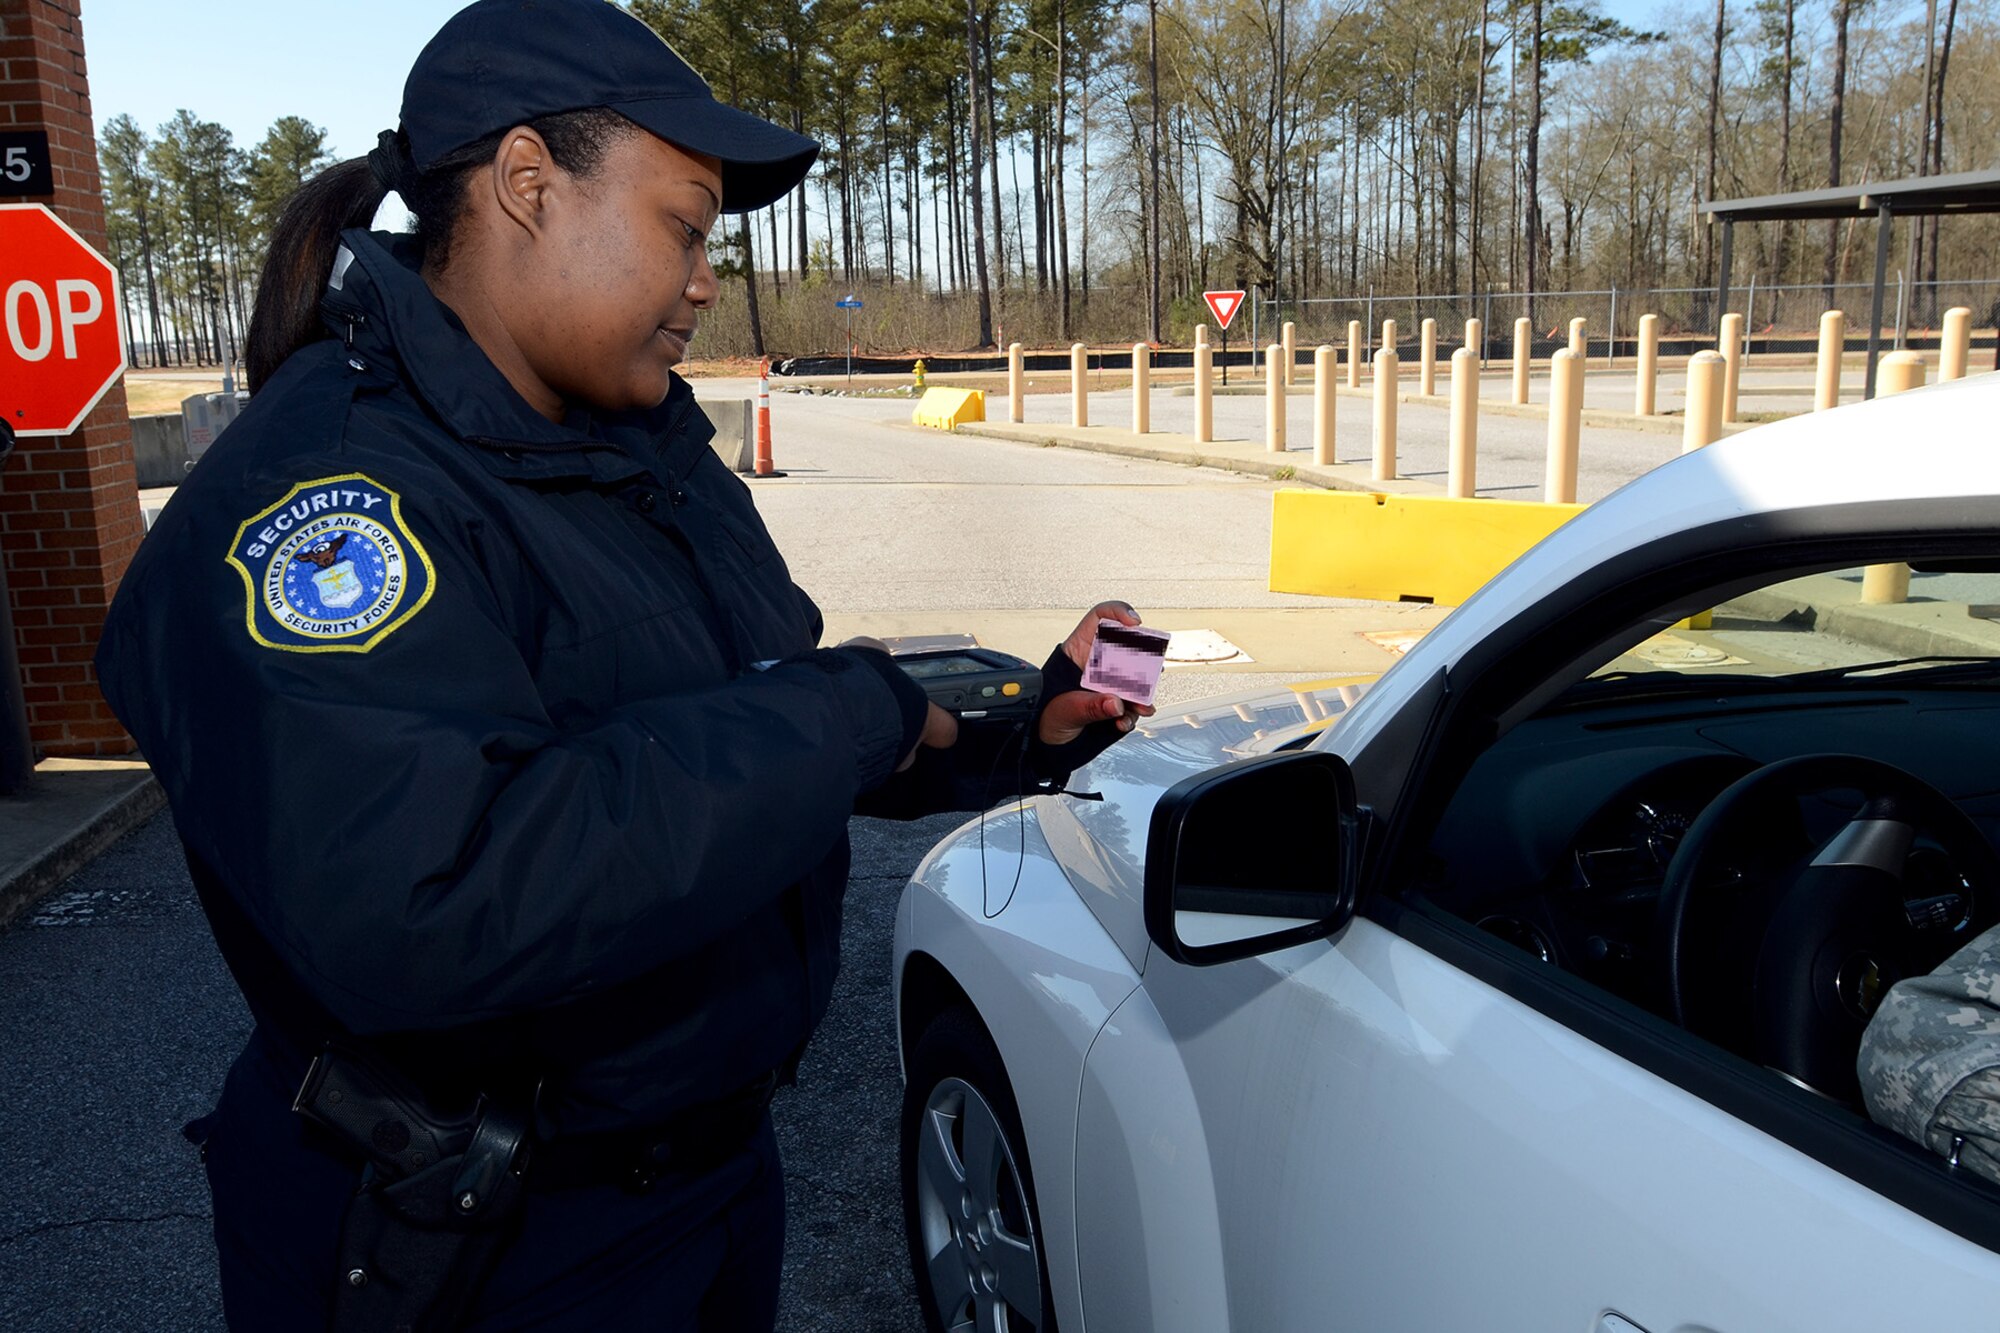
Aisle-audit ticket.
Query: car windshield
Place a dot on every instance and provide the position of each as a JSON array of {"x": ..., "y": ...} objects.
[{"x": 1846, "y": 624}]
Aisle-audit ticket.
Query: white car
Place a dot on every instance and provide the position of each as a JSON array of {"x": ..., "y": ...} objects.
[{"x": 1522, "y": 990}]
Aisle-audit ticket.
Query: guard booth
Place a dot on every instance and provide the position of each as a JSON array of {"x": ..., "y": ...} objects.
[{"x": 1885, "y": 201}]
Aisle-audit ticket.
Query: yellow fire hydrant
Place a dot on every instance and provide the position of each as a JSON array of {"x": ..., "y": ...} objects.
[{"x": 920, "y": 376}]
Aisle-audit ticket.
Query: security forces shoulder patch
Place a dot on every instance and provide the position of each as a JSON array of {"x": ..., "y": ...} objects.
[{"x": 331, "y": 568}]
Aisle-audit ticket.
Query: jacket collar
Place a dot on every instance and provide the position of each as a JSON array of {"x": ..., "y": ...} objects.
[{"x": 379, "y": 305}]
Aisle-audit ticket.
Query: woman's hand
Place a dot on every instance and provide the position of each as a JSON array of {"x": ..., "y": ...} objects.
[
  {"x": 1064, "y": 717},
  {"x": 940, "y": 728},
  {"x": 940, "y": 733}
]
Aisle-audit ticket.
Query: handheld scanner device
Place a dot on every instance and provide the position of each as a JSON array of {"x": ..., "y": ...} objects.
[{"x": 974, "y": 683}]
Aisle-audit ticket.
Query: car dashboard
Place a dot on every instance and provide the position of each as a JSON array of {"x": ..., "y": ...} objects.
[{"x": 1559, "y": 839}]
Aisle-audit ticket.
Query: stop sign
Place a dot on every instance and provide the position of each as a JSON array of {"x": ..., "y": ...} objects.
[{"x": 59, "y": 343}]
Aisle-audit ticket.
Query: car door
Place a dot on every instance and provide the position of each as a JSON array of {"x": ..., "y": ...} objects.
[
  {"x": 1411, "y": 1126},
  {"x": 1388, "y": 1143}
]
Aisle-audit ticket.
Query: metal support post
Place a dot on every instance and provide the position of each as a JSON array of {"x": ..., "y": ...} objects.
[
  {"x": 1884, "y": 224},
  {"x": 1722, "y": 270}
]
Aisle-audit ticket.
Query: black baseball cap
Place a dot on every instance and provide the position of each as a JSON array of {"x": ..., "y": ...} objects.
[{"x": 500, "y": 63}]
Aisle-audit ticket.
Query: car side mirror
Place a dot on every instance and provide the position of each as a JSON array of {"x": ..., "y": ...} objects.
[{"x": 1252, "y": 857}]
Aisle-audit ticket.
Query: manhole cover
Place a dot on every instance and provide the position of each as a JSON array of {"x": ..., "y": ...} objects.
[
  {"x": 1670, "y": 650},
  {"x": 1202, "y": 647},
  {"x": 1396, "y": 641}
]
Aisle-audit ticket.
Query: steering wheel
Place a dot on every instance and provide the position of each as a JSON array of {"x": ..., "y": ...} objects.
[{"x": 1834, "y": 934}]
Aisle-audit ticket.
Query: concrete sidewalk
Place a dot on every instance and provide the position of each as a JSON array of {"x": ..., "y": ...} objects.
[{"x": 72, "y": 810}]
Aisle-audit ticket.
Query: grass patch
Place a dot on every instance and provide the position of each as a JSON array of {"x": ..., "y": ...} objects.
[{"x": 149, "y": 398}]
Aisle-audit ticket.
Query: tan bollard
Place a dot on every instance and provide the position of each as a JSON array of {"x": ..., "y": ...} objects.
[
  {"x": 1832, "y": 342},
  {"x": 1323, "y": 397},
  {"x": 1387, "y": 375},
  {"x": 1731, "y": 339},
  {"x": 1579, "y": 340},
  {"x": 1274, "y": 398},
  {"x": 1955, "y": 347},
  {"x": 1524, "y": 346},
  {"x": 1204, "y": 393},
  {"x": 1388, "y": 334},
  {"x": 1201, "y": 335},
  {"x": 1475, "y": 334},
  {"x": 1565, "y": 426},
  {"x": 1142, "y": 388},
  {"x": 1288, "y": 339},
  {"x": 1702, "y": 414},
  {"x": 1017, "y": 384},
  {"x": 1427, "y": 356},
  {"x": 1459, "y": 478},
  {"x": 1882, "y": 585},
  {"x": 1645, "y": 396},
  {"x": 1353, "y": 353},
  {"x": 1079, "y": 385}
]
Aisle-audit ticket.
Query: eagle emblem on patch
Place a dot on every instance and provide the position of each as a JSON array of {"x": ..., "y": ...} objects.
[{"x": 331, "y": 567}]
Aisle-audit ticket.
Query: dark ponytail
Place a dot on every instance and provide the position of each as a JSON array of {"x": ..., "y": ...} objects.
[{"x": 286, "y": 316}]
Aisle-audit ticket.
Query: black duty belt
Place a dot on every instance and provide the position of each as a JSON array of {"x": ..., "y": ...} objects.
[{"x": 693, "y": 1140}]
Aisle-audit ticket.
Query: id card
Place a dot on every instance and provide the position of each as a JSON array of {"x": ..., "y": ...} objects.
[{"x": 1126, "y": 661}]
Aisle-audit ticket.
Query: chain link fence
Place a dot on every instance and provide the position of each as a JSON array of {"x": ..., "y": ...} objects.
[{"x": 1777, "y": 319}]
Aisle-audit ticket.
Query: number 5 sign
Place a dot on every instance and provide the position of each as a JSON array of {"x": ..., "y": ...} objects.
[
  {"x": 59, "y": 343},
  {"x": 24, "y": 163}
]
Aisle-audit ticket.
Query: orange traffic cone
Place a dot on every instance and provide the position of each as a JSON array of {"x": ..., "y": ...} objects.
[{"x": 765, "y": 467}]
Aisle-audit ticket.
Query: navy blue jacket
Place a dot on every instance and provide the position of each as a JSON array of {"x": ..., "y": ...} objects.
[{"x": 465, "y": 724}]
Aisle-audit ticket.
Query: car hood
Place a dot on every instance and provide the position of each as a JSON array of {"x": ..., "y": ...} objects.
[{"x": 1097, "y": 830}]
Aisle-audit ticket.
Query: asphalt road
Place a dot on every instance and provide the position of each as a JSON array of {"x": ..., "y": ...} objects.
[{"x": 118, "y": 1021}]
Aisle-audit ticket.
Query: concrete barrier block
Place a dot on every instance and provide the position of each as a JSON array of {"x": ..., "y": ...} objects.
[
  {"x": 1396, "y": 548},
  {"x": 159, "y": 450},
  {"x": 735, "y": 442},
  {"x": 946, "y": 409}
]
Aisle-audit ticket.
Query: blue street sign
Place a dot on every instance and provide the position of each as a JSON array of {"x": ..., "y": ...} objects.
[{"x": 848, "y": 302}]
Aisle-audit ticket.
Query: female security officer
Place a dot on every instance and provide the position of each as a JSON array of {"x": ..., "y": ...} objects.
[{"x": 508, "y": 772}]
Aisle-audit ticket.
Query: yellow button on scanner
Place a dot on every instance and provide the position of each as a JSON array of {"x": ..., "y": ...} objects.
[{"x": 1011, "y": 688}]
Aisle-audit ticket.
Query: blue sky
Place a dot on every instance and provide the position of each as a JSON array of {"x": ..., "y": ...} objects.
[{"x": 244, "y": 63}]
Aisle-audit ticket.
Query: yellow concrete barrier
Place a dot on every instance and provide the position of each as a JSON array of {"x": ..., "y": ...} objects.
[
  {"x": 1393, "y": 548},
  {"x": 946, "y": 409}
]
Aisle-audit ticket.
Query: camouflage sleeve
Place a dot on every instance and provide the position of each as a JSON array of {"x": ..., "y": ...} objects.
[{"x": 1930, "y": 1059}]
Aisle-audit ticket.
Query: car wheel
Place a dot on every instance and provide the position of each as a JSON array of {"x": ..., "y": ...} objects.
[{"x": 968, "y": 1195}]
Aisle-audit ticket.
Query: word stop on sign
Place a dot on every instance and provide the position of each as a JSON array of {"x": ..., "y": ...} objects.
[
  {"x": 60, "y": 343},
  {"x": 77, "y": 302}
]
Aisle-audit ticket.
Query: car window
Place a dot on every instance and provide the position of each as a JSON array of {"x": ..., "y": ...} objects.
[{"x": 1948, "y": 621}]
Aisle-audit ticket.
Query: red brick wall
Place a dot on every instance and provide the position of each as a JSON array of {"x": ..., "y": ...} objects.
[{"x": 69, "y": 506}]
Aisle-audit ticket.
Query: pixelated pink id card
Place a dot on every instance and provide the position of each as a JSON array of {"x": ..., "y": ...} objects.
[{"x": 1126, "y": 660}]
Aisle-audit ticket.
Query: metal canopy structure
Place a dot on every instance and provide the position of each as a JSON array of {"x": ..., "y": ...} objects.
[{"x": 1916, "y": 196}]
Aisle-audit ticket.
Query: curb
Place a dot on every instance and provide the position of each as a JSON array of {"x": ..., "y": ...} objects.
[
  {"x": 1280, "y": 467},
  {"x": 1603, "y": 417},
  {"x": 105, "y": 820},
  {"x": 1901, "y": 629}
]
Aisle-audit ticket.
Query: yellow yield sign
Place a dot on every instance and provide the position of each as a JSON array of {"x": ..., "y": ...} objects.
[
  {"x": 948, "y": 408},
  {"x": 1394, "y": 548}
]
